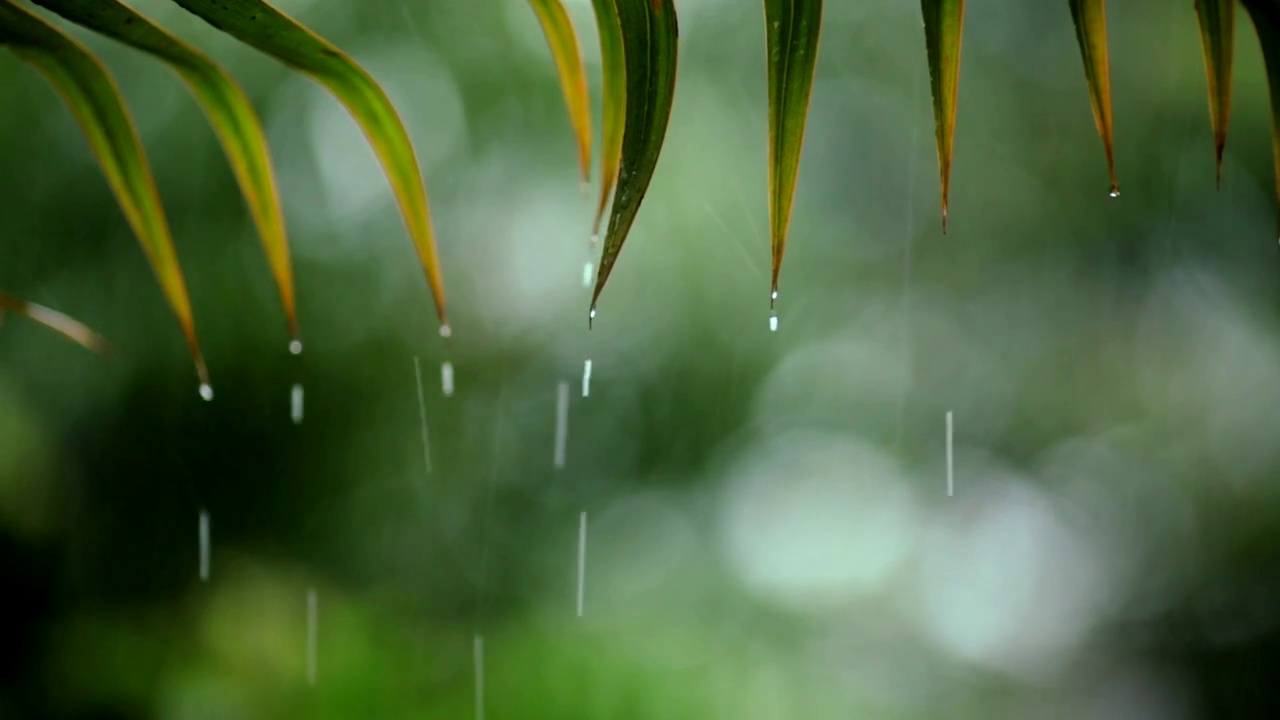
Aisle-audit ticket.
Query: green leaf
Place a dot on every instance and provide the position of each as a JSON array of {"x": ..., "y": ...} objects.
[
  {"x": 228, "y": 110},
  {"x": 943, "y": 32},
  {"x": 1090, "y": 18},
  {"x": 573, "y": 74},
  {"x": 91, "y": 94},
  {"x": 613, "y": 72},
  {"x": 649, "y": 44},
  {"x": 1266, "y": 21},
  {"x": 54, "y": 320},
  {"x": 261, "y": 26},
  {"x": 792, "y": 30},
  {"x": 1217, "y": 38}
]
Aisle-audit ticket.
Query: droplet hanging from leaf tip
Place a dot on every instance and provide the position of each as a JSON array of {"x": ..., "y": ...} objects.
[
  {"x": 206, "y": 391},
  {"x": 1115, "y": 191},
  {"x": 295, "y": 347},
  {"x": 591, "y": 317}
]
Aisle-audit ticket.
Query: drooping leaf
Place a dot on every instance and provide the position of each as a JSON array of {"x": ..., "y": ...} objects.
[
  {"x": 613, "y": 89},
  {"x": 943, "y": 33},
  {"x": 1217, "y": 38},
  {"x": 91, "y": 94},
  {"x": 54, "y": 320},
  {"x": 228, "y": 110},
  {"x": 262, "y": 26},
  {"x": 649, "y": 43},
  {"x": 792, "y": 31},
  {"x": 558, "y": 28},
  {"x": 1266, "y": 21},
  {"x": 1090, "y": 18}
]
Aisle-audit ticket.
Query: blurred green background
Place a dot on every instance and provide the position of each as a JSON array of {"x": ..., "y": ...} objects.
[{"x": 770, "y": 534}]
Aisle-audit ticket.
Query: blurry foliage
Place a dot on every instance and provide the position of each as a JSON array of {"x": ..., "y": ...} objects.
[{"x": 770, "y": 534}]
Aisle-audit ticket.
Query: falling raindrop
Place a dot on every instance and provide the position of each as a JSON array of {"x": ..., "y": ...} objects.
[
  {"x": 445, "y": 330},
  {"x": 313, "y": 620},
  {"x": 582, "y": 561},
  {"x": 446, "y": 378},
  {"x": 950, "y": 458},
  {"x": 295, "y": 347},
  {"x": 422, "y": 413},
  {"x": 595, "y": 238},
  {"x": 204, "y": 546},
  {"x": 295, "y": 403},
  {"x": 562, "y": 423},
  {"x": 773, "y": 321},
  {"x": 586, "y": 378},
  {"x": 588, "y": 269},
  {"x": 477, "y": 650},
  {"x": 206, "y": 391}
]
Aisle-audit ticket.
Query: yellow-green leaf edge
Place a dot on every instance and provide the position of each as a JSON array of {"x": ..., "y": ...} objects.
[
  {"x": 229, "y": 112},
  {"x": 94, "y": 99},
  {"x": 1217, "y": 40},
  {"x": 792, "y": 32},
  {"x": 64, "y": 325},
  {"x": 1090, "y": 18},
  {"x": 943, "y": 35},
  {"x": 650, "y": 38},
  {"x": 567, "y": 54},
  {"x": 613, "y": 111},
  {"x": 262, "y": 26}
]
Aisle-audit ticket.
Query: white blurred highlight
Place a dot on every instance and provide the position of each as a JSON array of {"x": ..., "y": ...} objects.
[
  {"x": 1004, "y": 583},
  {"x": 813, "y": 521}
]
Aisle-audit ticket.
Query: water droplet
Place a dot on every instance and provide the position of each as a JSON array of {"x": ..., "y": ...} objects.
[
  {"x": 588, "y": 268},
  {"x": 586, "y": 378},
  {"x": 295, "y": 404},
  {"x": 446, "y": 378},
  {"x": 206, "y": 391},
  {"x": 773, "y": 295},
  {"x": 295, "y": 347},
  {"x": 773, "y": 322},
  {"x": 204, "y": 546},
  {"x": 1115, "y": 193},
  {"x": 562, "y": 424},
  {"x": 595, "y": 238},
  {"x": 592, "y": 314},
  {"x": 582, "y": 561},
  {"x": 445, "y": 330}
]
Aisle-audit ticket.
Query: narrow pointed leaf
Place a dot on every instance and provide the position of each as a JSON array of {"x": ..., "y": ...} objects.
[
  {"x": 72, "y": 329},
  {"x": 558, "y": 28},
  {"x": 613, "y": 88},
  {"x": 649, "y": 44},
  {"x": 91, "y": 94},
  {"x": 943, "y": 33},
  {"x": 1090, "y": 18},
  {"x": 791, "y": 31},
  {"x": 262, "y": 26},
  {"x": 1217, "y": 38},
  {"x": 228, "y": 110},
  {"x": 1266, "y": 20}
]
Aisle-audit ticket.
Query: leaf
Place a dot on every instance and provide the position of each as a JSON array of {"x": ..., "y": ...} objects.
[
  {"x": 1090, "y": 18},
  {"x": 558, "y": 28},
  {"x": 91, "y": 94},
  {"x": 54, "y": 320},
  {"x": 792, "y": 31},
  {"x": 1217, "y": 38},
  {"x": 1266, "y": 21},
  {"x": 261, "y": 26},
  {"x": 649, "y": 43},
  {"x": 943, "y": 32},
  {"x": 613, "y": 72},
  {"x": 228, "y": 110}
]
